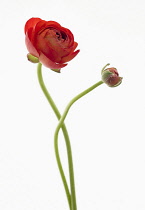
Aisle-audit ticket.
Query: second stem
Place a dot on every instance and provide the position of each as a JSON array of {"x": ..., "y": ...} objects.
[{"x": 60, "y": 124}]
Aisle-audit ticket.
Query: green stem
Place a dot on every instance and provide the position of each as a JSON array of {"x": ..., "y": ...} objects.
[
  {"x": 60, "y": 124},
  {"x": 65, "y": 133}
]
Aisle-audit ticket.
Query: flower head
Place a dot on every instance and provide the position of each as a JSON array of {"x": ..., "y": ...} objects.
[
  {"x": 51, "y": 43},
  {"x": 110, "y": 76}
]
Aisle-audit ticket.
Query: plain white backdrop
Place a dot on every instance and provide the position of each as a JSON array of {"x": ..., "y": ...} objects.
[{"x": 106, "y": 127}]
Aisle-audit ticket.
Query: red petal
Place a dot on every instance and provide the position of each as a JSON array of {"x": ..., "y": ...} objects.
[
  {"x": 70, "y": 36},
  {"x": 53, "y": 24},
  {"x": 74, "y": 47},
  {"x": 31, "y": 49},
  {"x": 40, "y": 26},
  {"x": 31, "y": 23},
  {"x": 69, "y": 57},
  {"x": 48, "y": 63}
]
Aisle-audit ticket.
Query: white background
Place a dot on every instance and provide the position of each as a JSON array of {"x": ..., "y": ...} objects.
[{"x": 106, "y": 127}]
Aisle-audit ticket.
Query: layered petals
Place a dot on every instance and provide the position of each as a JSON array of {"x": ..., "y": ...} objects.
[
  {"x": 31, "y": 23},
  {"x": 53, "y": 44},
  {"x": 48, "y": 63},
  {"x": 31, "y": 49},
  {"x": 69, "y": 57}
]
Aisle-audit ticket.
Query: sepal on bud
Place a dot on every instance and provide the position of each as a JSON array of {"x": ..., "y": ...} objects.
[
  {"x": 32, "y": 58},
  {"x": 111, "y": 77}
]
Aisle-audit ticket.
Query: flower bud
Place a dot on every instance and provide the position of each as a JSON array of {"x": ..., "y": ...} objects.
[
  {"x": 111, "y": 77},
  {"x": 32, "y": 58}
]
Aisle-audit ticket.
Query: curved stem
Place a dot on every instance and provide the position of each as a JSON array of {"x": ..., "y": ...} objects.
[
  {"x": 65, "y": 133},
  {"x": 60, "y": 124}
]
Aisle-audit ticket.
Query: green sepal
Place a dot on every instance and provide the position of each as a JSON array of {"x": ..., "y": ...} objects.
[
  {"x": 32, "y": 58},
  {"x": 56, "y": 70},
  {"x": 105, "y": 75}
]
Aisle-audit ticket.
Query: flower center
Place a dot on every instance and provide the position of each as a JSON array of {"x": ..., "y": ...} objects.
[
  {"x": 52, "y": 33},
  {"x": 59, "y": 35}
]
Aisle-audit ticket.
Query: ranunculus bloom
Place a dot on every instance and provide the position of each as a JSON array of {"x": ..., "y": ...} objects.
[{"x": 51, "y": 43}]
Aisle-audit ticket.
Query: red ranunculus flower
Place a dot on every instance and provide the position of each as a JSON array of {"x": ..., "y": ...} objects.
[{"x": 51, "y": 43}]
